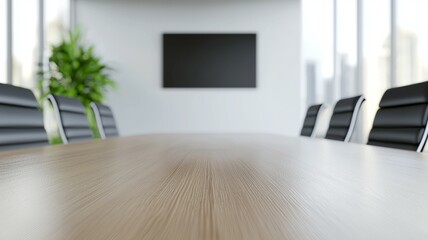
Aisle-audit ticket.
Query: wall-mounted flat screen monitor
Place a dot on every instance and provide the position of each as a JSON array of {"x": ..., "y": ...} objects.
[{"x": 209, "y": 60}]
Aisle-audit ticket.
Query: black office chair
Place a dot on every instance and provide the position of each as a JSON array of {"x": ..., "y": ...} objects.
[
  {"x": 21, "y": 122},
  {"x": 344, "y": 118},
  {"x": 105, "y": 120},
  {"x": 71, "y": 118},
  {"x": 310, "y": 120},
  {"x": 401, "y": 121}
]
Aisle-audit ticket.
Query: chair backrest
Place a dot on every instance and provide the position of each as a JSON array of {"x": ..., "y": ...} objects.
[
  {"x": 344, "y": 118},
  {"x": 401, "y": 121},
  {"x": 21, "y": 122},
  {"x": 105, "y": 120},
  {"x": 310, "y": 120},
  {"x": 71, "y": 118}
]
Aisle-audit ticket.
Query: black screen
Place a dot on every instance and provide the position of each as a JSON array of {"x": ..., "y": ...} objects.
[{"x": 209, "y": 60}]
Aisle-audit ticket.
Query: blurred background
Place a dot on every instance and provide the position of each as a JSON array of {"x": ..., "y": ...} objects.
[{"x": 309, "y": 51}]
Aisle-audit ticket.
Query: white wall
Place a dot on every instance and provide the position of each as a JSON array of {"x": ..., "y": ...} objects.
[{"x": 128, "y": 35}]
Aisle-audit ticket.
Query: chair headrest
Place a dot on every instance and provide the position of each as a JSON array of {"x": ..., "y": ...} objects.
[
  {"x": 12, "y": 95},
  {"x": 407, "y": 95},
  {"x": 314, "y": 109},
  {"x": 347, "y": 104}
]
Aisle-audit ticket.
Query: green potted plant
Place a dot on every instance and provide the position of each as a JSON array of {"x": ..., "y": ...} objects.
[{"x": 74, "y": 70}]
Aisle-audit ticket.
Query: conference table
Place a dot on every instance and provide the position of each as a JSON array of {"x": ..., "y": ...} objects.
[{"x": 213, "y": 186}]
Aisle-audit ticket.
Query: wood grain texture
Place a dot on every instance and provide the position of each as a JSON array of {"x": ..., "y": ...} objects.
[{"x": 213, "y": 187}]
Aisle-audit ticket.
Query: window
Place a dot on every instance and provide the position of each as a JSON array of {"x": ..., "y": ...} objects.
[
  {"x": 31, "y": 35},
  {"x": 318, "y": 50},
  {"x": 26, "y": 45},
  {"x": 346, "y": 57},
  {"x": 376, "y": 55},
  {"x": 57, "y": 18},
  {"x": 3, "y": 41},
  {"x": 412, "y": 42},
  {"x": 374, "y": 21}
]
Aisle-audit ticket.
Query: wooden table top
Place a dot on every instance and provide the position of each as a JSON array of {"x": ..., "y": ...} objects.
[{"x": 213, "y": 187}]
